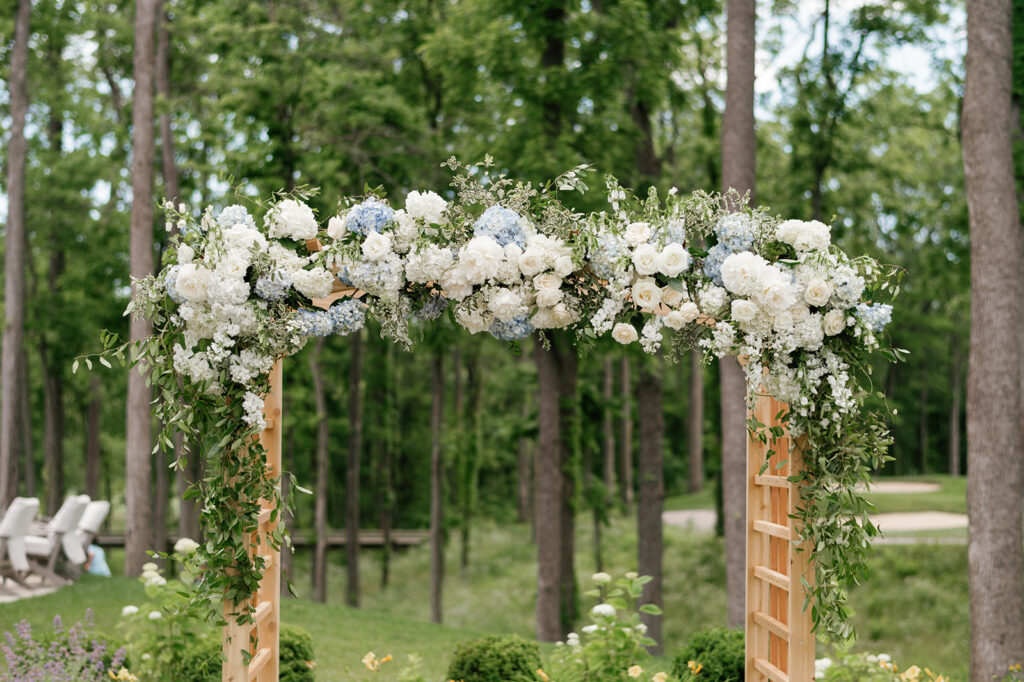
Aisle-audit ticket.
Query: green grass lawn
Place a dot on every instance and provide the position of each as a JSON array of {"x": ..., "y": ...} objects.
[{"x": 951, "y": 496}]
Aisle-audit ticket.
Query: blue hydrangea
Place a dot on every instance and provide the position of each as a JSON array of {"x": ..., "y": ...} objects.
[
  {"x": 501, "y": 224},
  {"x": 713, "y": 262},
  {"x": 315, "y": 322},
  {"x": 433, "y": 308},
  {"x": 513, "y": 330},
  {"x": 672, "y": 233},
  {"x": 347, "y": 316},
  {"x": 234, "y": 214},
  {"x": 605, "y": 256},
  {"x": 372, "y": 215},
  {"x": 171, "y": 281},
  {"x": 875, "y": 316},
  {"x": 273, "y": 287},
  {"x": 736, "y": 232}
]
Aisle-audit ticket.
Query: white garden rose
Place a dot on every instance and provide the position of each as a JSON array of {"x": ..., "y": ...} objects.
[
  {"x": 185, "y": 254},
  {"x": 834, "y": 322},
  {"x": 562, "y": 315},
  {"x": 426, "y": 205},
  {"x": 376, "y": 246},
  {"x": 292, "y": 220},
  {"x": 638, "y": 233},
  {"x": 671, "y": 297},
  {"x": 481, "y": 258},
  {"x": 335, "y": 227},
  {"x": 775, "y": 292},
  {"x": 548, "y": 297},
  {"x": 783, "y": 321},
  {"x": 532, "y": 261},
  {"x": 233, "y": 266},
  {"x": 743, "y": 310},
  {"x": 675, "y": 320},
  {"x": 799, "y": 313},
  {"x": 673, "y": 260},
  {"x": 455, "y": 284},
  {"x": 818, "y": 292},
  {"x": 742, "y": 272},
  {"x": 624, "y": 333},
  {"x": 544, "y": 318},
  {"x": 547, "y": 281},
  {"x": 473, "y": 319},
  {"x": 646, "y": 293},
  {"x": 193, "y": 283},
  {"x": 645, "y": 259},
  {"x": 689, "y": 311},
  {"x": 563, "y": 266}
]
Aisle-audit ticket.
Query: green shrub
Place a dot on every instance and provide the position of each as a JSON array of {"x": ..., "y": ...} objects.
[
  {"x": 509, "y": 659},
  {"x": 202, "y": 663},
  {"x": 718, "y": 651}
]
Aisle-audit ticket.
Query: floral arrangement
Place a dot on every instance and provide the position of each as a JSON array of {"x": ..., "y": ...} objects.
[
  {"x": 241, "y": 288},
  {"x": 71, "y": 655}
]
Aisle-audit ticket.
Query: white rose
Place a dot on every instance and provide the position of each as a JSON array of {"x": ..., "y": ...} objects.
[
  {"x": 506, "y": 304},
  {"x": 547, "y": 281},
  {"x": 544, "y": 318},
  {"x": 233, "y": 266},
  {"x": 193, "y": 283},
  {"x": 743, "y": 310},
  {"x": 335, "y": 227},
  {"x": 818, "y": 292},
  {"x": 376, "y": 246},
  {"x": 834, "y": 322},
  {"x": 563, "y": 266},
  {"x": 185, "y": 254},
  {"x": 646, "y": 293},
  {"x": 775, "y": 291},
  {"x": 455, "y": 284},
  {"x": 675, "y": 320},
  {"x": 783, "y": 320},
  {"x": 427, "y": 205},
  {"x": 689, "y": 311},
  {"x": 548, "y": 297},
  {"x": 673, "y": 260},
  {"x": 531, "y": 261},
  {"x": 742, "y": 271},
  {"x": 638, "y": 233},
  {"x": 129, "y": 610},
  {"x": 561, "y": 315},
  {"x": 624, "y": 334},
  {"x": 645, "y": 259},
  {"x": 799, "y": 313},
  {"x": 671, "y": 297},
  {"x": 481, "y": 258}
]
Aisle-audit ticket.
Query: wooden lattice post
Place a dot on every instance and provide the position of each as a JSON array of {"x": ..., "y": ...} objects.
[
  {"x": 779, "y": 641},
  {"x": 236, "y": 637}
]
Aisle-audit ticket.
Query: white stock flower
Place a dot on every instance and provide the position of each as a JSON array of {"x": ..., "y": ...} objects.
[
  {"x": 129, "y": 610},
  {"x": 605, "y": 610},
  {"x": 675, "y": 320},
  {"x": 646, "y": 293},
  {"x": 376, "y": 246},
  {"x": 741, "y": 272},
  {"x": 645, "y": 259},
  {"x": 818, "y": 292},
  {"x": 185, "y": 546},
  {"x": 193, "y": 283},
  {"x": 834, "y": 322},
  {"x": 638, "y": 233},
  {"x": 480, "y": 259},
  {"x": 292, "y": 219},
  {"x": 671, "y": 297},
  {"x": 625, "y": 334},
  {"x": 336, "y": 227},
  {"x": 743, "y": 310},
  {"x": 689, "y": 312},
  {"x": 426, "y": 205},
  {"x": 506, "y": 304},
  {"x": 673, "y": 260}
]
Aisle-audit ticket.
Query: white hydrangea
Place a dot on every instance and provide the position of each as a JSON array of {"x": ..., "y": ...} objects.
[
  {"x": 428, "y": 206},
  {"x": 313, "y": 283},
  {"x": 742, "y": 272},
  {"x": 804, "y": 236},
  {"x": 291, "y": 219},
  {"x": 428, "y": 263}
]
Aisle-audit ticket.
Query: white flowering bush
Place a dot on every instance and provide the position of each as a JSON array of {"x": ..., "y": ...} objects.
[{"x": 242, "y": 288}]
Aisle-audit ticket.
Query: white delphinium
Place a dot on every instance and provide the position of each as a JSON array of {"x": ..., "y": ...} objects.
[
  {"x": 480, "y": 259},
  {"x": 624, "y": 333},
  {"x": 646, "y": 293},
  {"x": 428, "y": 263},
  {"x": 252, "y": 404},
  {"x": 428, "y": 206},
  {"x": 645, "y": 259},
  {"x": 673, "y": 260},
  {"x": 650, "y": 338},
  {"x": 638, "y": 233},
  {"x": 313, "y": 283},
  {"x": 291, "y": 219}
]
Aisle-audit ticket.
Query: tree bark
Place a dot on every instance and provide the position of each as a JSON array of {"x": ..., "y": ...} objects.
[
  {"x": 608, "y": 427},
  {"x": 650, "y": 474},
  {"x": 994, "y": 401},
  {"x": 27, "y": 439},
  {"x": 138, "y": 429},
  {"x": 738, "y": 173},
  {"x": 568, "y": 430},
  {"x": 384, "y": 493},
  {"x": 323, "y": 476},
  {"x": 525, "y": 459},
  {"x": 470, "y": 452},
  {"x": 626, "y": 446},
  {"x": 436, "y": 487},
  {"x": 93, "y": 447},
  {"x": 14, "y": 259},
  {"x": 355, "y": 447},
  {"x": 163, "y": 88},
  {"x": 548, "y": 495},
  {"x": 695, "y": 425},
  {"x": 53, "y": 434}
]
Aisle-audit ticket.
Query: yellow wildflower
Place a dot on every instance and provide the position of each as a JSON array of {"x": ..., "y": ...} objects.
[
  {"x": 695, "y": 667},
  {"x": 373, "y": 663},
  {"x": 543, "y": 675},
  {"x": 635, "y": 671},
  {"x": 122, "y": 674},
  {"x": 910, "y": 674}
]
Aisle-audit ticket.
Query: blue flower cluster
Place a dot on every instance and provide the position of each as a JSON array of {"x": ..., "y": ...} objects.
[
  {"x": 343, "y": 318},
  {"x": 433, "y": 308},
  {"x": 713, "y": 262},
  {"x": 273, "y": 287},
  {"x": 674, "y": 232},
  {"x": 875, "y": 316},
  {"x": 501, "y": 224},
  {"x": 234, "y": 214},
  {"x": 372, "y": 276},
  {"x": 605, "y": 257},
  {"x": 171, "y": 281},
  {"x": 513, "y": 330},
  {"x": 372, "y": 215},
  {"x": 735, "y": 234}
]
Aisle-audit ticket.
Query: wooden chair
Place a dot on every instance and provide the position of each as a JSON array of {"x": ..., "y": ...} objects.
[
  {"x": 13, "y": 530},
  {"x": 92, "y": 519},
  {"x": 60, "y": 535}
]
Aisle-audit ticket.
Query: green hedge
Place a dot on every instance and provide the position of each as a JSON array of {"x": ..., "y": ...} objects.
[
  {"x": 489, "y": 659},
  {"x": 202, "y": 663},
  {"x": 720, "y": 653}
]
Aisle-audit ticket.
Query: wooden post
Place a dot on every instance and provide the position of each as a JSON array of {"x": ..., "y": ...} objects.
[
  {"x": 779, "y": 641},
  {"x": 237, "y": 638}
]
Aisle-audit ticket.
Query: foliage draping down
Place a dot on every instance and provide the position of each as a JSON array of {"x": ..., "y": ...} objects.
[{"x": 511, "y": 259}]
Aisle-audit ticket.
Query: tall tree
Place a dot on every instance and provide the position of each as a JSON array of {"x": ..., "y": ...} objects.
[
  {"x": 436, "y": 486},
  {"x": 651, "y": 479},
  {"x": 626, "y": 445},
  {"x": 355, "y": 449},
  {"x": 470, "y": 449},
  {"x": 14, "y": 259},
  {"x": 695, "y": 425},
  {"x": 547, "y": 495},
  {"x": 994, "y": 400},
  {"x": 138, "y": 429},
  {"x": 608, "y": 426},
  {"x": 323, "y": 475},
  {"x": 738, "y": 165}
]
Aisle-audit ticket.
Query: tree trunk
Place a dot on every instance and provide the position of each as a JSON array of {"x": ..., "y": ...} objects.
[
  {"x": 525, "y": 459},
  {"x": 14, "y": 259},
  {"x": 568, "y": 432},
  {"x": 695, "y": 425},
  {"x": 93, "y": 430},
  {"x": 436, "y": 486},
  {"x": 161, "y": 490},
  {"x": 738, "y": 172},
  {"x": 470, "y": 451},
  {"x": 548, "y": 495},
  {"x": 323, "y": 476},
  {"x": 27, "y": 439},
  {"x": 163, "y": 88},
  {"x": 994, "y": 402},
  {"x": 138, "y": 429},
  {"x": 53, "y": 432},
  {"x": 188, "y": 510},
  {"x": 650, "y": 472},
  {"x": 955, "y": 408},
  {"x": 355, "y": 447},
  {"x": 385, "y": 495},
  {"x": 608, "y": 427},
  {"x": 626, "y": 446}
]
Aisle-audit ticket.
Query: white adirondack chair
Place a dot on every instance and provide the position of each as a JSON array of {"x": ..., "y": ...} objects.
[
  {"x": 13, "y": 529},
  {"x": 92, "y": 518},
  {"x": 60, "y": 535}
]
